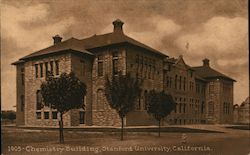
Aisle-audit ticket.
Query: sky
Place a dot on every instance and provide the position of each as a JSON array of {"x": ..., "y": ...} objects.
[{"x": 217, "y": 30}]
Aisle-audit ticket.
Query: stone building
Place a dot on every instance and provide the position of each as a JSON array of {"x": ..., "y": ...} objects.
[
  {"x": 242, "y": 112},
  {"x": 203, "y": 94}
]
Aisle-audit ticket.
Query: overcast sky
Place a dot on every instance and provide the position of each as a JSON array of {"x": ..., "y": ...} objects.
[{"x": 215, "y": 29}]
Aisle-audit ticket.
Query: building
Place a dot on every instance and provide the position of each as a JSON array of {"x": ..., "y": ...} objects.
[
  {"x": 241, "y": 112},
  {"x": 203, "y": 94}
]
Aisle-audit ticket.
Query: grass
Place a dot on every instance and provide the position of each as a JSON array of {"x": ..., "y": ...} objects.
[{"x": 231, "y": 142}]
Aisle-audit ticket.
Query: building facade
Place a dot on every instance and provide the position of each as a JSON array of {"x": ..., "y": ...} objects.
[
  {"x": 203, "y": 95},
  {"x": 242, "y": 112}
]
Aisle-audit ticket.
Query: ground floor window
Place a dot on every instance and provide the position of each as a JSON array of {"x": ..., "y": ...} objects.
[
  {"x": 38, "y": 115},
  {"x": 46, "y": 115},
  {"x": 54, "y": 114},
  {"x": 82, "y": 117}
]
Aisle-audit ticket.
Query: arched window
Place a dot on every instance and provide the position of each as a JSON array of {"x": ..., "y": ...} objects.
[
  {"x": 210, "y": 108},
  {"x": 100, "y": 100},
  {"x": 38, "y": 100},
  {"x": 175, "y": 82}
]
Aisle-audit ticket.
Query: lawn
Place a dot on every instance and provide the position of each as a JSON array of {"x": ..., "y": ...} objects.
[{"x": 29, "y": 141}]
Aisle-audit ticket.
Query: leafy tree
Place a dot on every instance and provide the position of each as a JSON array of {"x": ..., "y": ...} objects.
[
  {"x": 63, "y": 93},
  {"x": 121, "y": 92},
  {"x": 160, "y": 105}
]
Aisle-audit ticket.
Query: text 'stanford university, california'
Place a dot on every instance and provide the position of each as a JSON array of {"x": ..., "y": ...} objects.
[{"x": 203, "y": 95}]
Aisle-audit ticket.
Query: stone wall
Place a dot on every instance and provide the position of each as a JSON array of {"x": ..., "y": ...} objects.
[
  {"x": 19, "y": 93},
  {"x": 32, "y": 84}
]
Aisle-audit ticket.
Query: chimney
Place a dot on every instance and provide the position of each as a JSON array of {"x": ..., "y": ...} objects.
[
  {"x": 118, "y": 26},
  {"x": 206, "y": 62},
  {"x": 57, "y": 39}
]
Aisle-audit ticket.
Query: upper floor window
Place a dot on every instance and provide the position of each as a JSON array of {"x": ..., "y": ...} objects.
[
  {"x": 38, "y": 100},
  {"x": 180, "y": 81},
  {"x": 145, "y": 100},
  {"x": 52, "y": 67},
  {"x": 22, "y": 76},
  {"x": 46, "y": 69},
  {"x": 100, "y": 65},
  {"x": 22, "y": 102},
  {"x": 41, "y": 70},
  {"x": 36, "y": 70},
  {"x": 115, "y": 62},
  {"x": 57, "y": 67},
  {"x": 184, "y": 83}
]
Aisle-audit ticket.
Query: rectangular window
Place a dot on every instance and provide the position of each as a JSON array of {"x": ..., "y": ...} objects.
[
  {"x": 46, "y": 115},
  {"x": 175, "y": 82},
  {"x": 82, "y": 117},
  {"x": 115, "y": 63},
  {"x": 52, "y": 68},
  {"x": 38, "y": 100},
  {"x": 41, "y": 70},
  {"x": 36, "y": 70},
  {"x": 57, "y": 67},
  {"x": 180, "y": 80},
  {"x": 38, "y": 115},
  {"x": 22, "y": 75},
  {"x": 46, "y": 69},
  {"x": 100, "y": 65},
  {"x": 184, "y": 84},
  {"x": 54, "y": 114},
  {"x": 22, "y": 102}
]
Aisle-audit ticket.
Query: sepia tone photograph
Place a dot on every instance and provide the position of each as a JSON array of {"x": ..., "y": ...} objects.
[{"x": 125, "y": 77}]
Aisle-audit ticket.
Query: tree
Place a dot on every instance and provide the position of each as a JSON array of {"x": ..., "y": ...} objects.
[
  {"x": 121, "y": 92},
  {"x": 63, "y": 93},
  {"x": 160, "y": 105}
]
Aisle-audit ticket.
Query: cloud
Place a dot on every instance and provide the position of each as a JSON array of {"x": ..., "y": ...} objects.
[
  {"x": 31, "y": 25},
  {"x": 160, "y": 28},
  {"x": 220, "y": 34},
  {"x": 24, "y": 29}
]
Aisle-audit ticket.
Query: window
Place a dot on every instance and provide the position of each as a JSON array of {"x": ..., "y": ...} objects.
[
  {"x": 145, "y": 100},
  {"x": 22, "y": 75},
  {"x": 41, "y": 70},
  {"x": 180, "y": 80},
  {"x": 138, "y": 105},
  {"x": 82, "y": 117},
  {"x": 100, "y": 65},
  {"x": 54, "y": 114},
  {"x": 167, "y": 79},
  {"x": 184, "y": 84},
  {"x": 36, "y": 70},
  {"x": 175, "y": 82},
  {"x": 82, "y": 67},
  {"x": 22, "y": 102},
  {"x": 46, "y": 115},
  {"x": 202, "y": 107},
  {"x": 210, "y": 108},
  {"x": 57, "y": 67},
  {"x": 38, "y": 115},
  {"x": 52, "y": 67},
  {"x": 115, "y": 63},
  {"x": 46, "y": 69},
  {"x": 38, "y": 100},
  {"x": 100, "y": 100}
]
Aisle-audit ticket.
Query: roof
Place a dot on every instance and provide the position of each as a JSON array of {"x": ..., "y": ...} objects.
[
  {"x": 97, "y": 41},
  {"x": 208, "y": 72},
  {"x": 70, "y": 44}
]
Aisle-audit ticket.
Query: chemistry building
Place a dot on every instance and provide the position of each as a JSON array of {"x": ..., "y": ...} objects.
[{"x": 203, "y": 95}]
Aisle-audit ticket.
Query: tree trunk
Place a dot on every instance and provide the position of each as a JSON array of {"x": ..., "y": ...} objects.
[
  {"x": 159, "y": 129},
  {"x": 61, "y": 128},
  {"x": 122, "y": 128}
]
